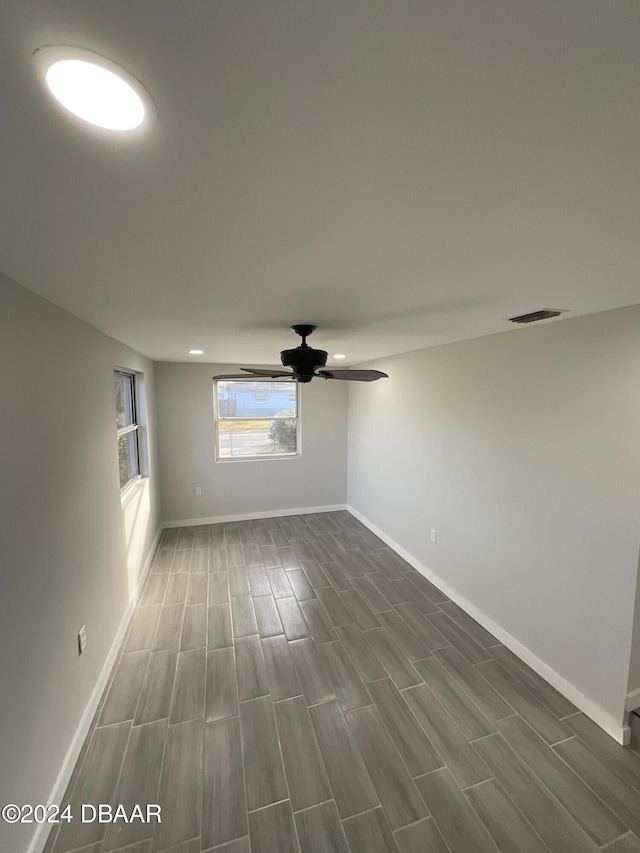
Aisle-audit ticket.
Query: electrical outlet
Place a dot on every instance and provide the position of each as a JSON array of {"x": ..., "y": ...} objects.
[
  {"x": 198, "y": 491},
  {"x": 433, "y": 535},
  {"x": 82, "y": 639}
]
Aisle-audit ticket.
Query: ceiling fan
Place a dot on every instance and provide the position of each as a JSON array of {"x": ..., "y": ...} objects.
[{"x": 305, "y": 363}]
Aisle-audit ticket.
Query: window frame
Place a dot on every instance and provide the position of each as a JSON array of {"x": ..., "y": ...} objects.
[
  {"x": 134, "y": 427},
  {"x": 270, "y": 457}
]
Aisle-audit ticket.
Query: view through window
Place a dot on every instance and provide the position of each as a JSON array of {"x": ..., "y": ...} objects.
[
  {"x": 127, "y": 423},
  {"x": 256, "y": 419}
]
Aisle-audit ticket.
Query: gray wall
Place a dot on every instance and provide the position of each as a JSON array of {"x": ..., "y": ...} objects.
[
  {"x": 70, "y": 554},
  {"x": 187, "y": 451},
  {"x": 522, "y": 450}
]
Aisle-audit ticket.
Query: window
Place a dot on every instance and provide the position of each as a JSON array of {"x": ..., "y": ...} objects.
[
  {"x": 127, "y": 423},
  {"x": 256, "y": 419}
]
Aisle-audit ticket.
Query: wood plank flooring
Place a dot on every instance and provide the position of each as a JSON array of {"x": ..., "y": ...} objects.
[{"x": 291, "y": 685}]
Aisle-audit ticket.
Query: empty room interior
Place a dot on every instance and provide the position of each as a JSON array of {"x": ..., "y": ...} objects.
[{"x": 320, "y": 461}]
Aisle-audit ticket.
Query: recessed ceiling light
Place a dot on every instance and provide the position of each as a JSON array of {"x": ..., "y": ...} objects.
[
  {"x": 196, "y": 352},
  {"x": 339, "y": 355},
  {"x": 94, "y": 88}
]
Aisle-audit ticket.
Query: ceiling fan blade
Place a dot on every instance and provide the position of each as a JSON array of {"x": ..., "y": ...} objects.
[
  {"x": 357, "y": 375},
  {"x": 274, "y": 374}
]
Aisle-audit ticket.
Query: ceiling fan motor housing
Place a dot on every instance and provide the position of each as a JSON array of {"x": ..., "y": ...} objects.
[{"x": 304, "y": 360}]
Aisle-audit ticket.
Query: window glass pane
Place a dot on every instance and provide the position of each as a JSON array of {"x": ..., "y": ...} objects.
[
  {"x": 128, "y": 457},
  {"x": 124, "y": 399},
  {"x": 257, "y": 438},
  {"x": 257, "y": 399}
]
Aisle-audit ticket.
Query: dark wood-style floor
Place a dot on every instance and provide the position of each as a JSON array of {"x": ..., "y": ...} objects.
[{"x": 292, "y": 684}]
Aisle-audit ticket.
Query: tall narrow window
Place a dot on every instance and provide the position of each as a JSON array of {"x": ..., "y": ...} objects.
[
  {"x": 256, "y": 419},
  {"x": 127, "y": 423}
]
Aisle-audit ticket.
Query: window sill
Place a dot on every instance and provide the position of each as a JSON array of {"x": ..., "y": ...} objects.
[
  {"x": 128, "y": 493},
  {"x": 274, "y": 458}
]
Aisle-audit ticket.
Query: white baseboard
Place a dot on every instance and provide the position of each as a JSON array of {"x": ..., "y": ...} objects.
[
  {"x": 248, "y": 516},
  {"x": 41, "y": 833},
  {"x": 633, "y": 700},
  {"x": 611, "y": 726}
]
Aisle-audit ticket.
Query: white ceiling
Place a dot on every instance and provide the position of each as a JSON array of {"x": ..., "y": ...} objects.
[{"x": 401, "y": 173}]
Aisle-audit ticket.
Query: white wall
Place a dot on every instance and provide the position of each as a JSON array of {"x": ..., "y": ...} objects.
[
  {"x": 69, "y": 555},
  {"x": 633, "y": 687},
  {"x": 187, "y": 451},
  {"x": 522, "y": 450}
]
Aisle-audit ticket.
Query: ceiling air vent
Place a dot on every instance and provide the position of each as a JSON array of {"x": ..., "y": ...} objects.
[{"x": 534, "y": 316}]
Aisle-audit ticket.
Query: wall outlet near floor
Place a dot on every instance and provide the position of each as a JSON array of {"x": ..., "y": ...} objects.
[
  {"x": 433, "y": 535},
  {"x": 198, "y": 491},
  {"x": 82, "y": 639}
]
